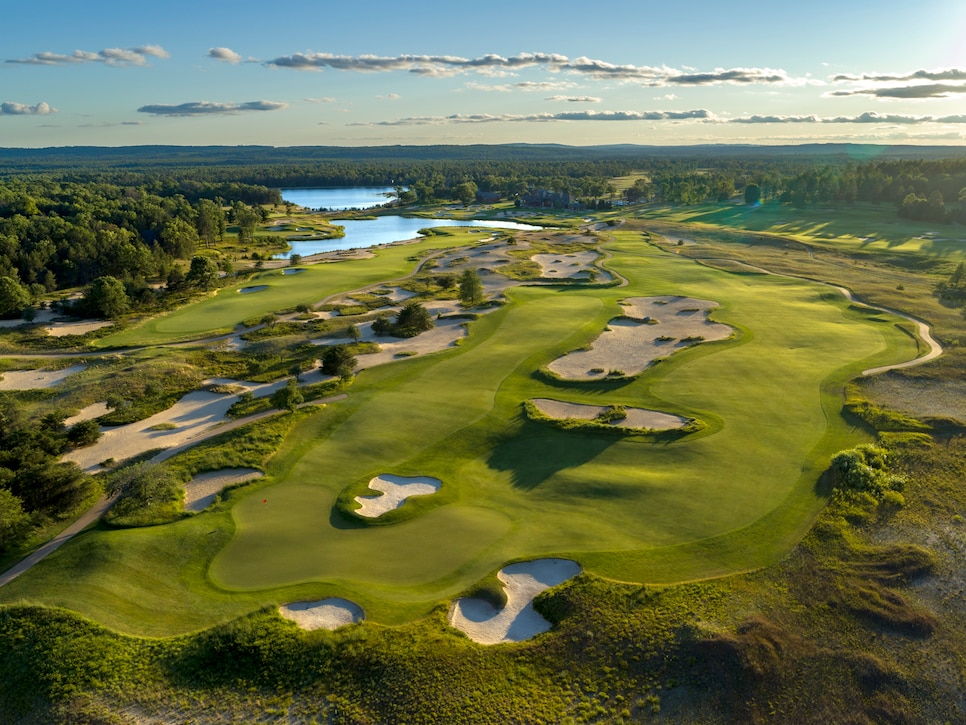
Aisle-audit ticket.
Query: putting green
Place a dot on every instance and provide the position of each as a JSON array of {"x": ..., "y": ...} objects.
[{"x": 513, "y": 488}]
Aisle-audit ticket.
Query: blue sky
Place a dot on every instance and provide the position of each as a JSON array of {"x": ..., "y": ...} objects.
[{"x": 375, "y": 72}]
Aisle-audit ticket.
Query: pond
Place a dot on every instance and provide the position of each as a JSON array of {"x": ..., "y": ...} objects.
[
  {"x": 387, "y": 229},
  {"x": 343, "y": 197}
]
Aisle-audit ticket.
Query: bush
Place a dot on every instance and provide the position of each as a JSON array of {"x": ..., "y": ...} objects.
[
  {"x": 85, "y": 433},
  {"x": 864, "y": 470},
  {"x": 149, "y": 495},
  {"x": 287, "y": 398}
]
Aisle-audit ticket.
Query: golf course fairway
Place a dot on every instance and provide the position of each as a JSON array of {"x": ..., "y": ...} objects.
[
  {"x": 629, "y": 508},
  {"x": 735, "y": 493}
]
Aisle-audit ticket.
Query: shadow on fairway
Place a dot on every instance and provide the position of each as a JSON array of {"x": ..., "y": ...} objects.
[{"x": 536, "y": 455}]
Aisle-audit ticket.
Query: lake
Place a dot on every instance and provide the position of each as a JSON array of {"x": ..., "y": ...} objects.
[
  {"x": 372, "y": 232},
  {"x": 385, "y": 230},
  {"x": 346, "y": 197}
]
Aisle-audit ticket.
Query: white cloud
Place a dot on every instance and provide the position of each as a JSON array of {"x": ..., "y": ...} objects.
[
  {"x": 9, "y": 108},
  {"x": 207, "y": 108},
  {"x": 460, "y": 118},
  {"x": 575, "y": 99},
  {"x": 447, "y": 65},
  {"x": 872, "y": 117},
  {"x": 108, "y": 56},
  {"x": 226, "y": 55},
  {"x": 913, "y": 91},
  {"x": 941, "y": 74}
]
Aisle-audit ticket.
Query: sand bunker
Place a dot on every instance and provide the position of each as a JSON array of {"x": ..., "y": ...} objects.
[
  {"x": 576, "y": 265},
  {"x": 395, "y": 491},
  {"x": 518, "y": 620},
  {"x": 329, "y": 613},
  {"x": 200, "y": 491},
  {"x": 445, "y": 334},
  {"x": 191, "y": 415},
  {"x": 34, "y": 379},
  {"x": 636, "y": 417},
  {"x": 630, "y": 345},
  {"x": 254, "y": 288},
  {"x": 95, "y": 410},
  {"x": 60, "y": 329}
]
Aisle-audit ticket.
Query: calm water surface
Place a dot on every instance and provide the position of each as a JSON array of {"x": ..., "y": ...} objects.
[
  {"x": 348, "y": 197},
  {"x": 381, "y": 230}
]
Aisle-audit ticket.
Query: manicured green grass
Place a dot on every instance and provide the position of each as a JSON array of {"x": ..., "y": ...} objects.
[
  {"x": 735, "y": 496},
  {"x": 222, "y": 311}
]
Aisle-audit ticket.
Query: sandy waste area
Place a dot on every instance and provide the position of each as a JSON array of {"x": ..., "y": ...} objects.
[
  {"x": 630, "y": 345},
  {"x": 518, "y": 620},
  {"x": 395, "y": 491},
  {"x": 190, "y": 416},
  {"x": 636, "y": 417},
  {"x": 445, "y": 334},
  {"x": 36, "y": 379},
  {"x": 200, "y": 491},
  {"x": 94, "y": 410},
  {"x": 329, "y": 613}
]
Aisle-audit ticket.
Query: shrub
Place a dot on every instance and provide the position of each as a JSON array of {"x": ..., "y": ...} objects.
[
  {"x": 148, "y": 494},
  {"x": 85, "y": 433},
  {"x": 864, "y": 469}
]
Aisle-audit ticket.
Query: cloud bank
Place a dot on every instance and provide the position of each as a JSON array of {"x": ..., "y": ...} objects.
[
  {"x": 109, "y": 56},
  {"x": 460, "y": 118},
  {"x": 207, "y": 108},
  {"x": 446, "y": 65}
]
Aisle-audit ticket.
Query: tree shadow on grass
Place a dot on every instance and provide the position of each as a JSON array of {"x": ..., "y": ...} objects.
[{"x": 537, "y": 454}]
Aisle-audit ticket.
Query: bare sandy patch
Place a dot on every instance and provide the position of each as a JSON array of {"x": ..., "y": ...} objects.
[
  {"x": 395, "y": 491},
  {"x": 640, "y": 418},
  {"x": 518, "y": 620},
  {"x": 329, "y": 613},
  {"x": 200, "y": 491},
  {"x": 653, "y": 327},
  {"x": 95, "y": 410},
  {"x": 36, "y": 379},
  {"x": 40, "y": 317},
  {"x": 60, "y": 329},
  {"x": 195, "y": 413}
]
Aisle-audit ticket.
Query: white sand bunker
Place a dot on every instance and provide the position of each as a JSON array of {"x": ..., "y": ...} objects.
[
  {"x": 654, "y": 327},
  {"x": 254, "y": 288},
  {"x": 35, "y": 379},
  {"x": 200, "y": 491},
  {"x": 518, "y": 620},
  {"x": 60, "y": 329},
  {"x": 94, "y": 410},
  {"x": 329, "y": 613},
  {"x": 575, "y": 265},
  {"x": 640, "y": 418},
  {"x": 395, "y": 491}
]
